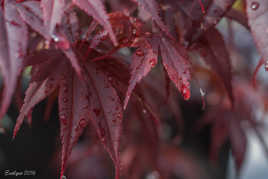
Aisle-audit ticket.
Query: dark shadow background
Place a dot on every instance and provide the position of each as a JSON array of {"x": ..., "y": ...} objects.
[{"x": 35, "y": 147}]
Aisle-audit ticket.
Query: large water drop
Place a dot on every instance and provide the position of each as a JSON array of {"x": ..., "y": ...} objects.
[{"x": 255, "y": 5}]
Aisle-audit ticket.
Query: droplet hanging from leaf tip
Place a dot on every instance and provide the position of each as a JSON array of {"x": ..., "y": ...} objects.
[
  {"x": 61, "y": 41},
  {"x": 55, "y": 38},
  {"x": 152, "y": 62},
  {"x": 82, "y": 123},
  {"x": 202, "y": 7},
  {"x": 255, "y": 5},
  {"x": 144, "y": 111},
  {"x": 148, "y": 34},
  {"x": 185, "y": 92}
]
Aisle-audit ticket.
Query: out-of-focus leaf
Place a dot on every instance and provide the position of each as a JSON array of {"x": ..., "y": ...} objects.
[
  {"x": 216, "y": 55},
  {"x": 257, "y": 13},
  {"x": 13, "y": 44}
]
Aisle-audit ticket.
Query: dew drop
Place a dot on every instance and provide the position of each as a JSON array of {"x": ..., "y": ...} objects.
[
  {"x": 65, "y": 100},
  {"x": 55, "y": 38},
  {"x": 139, "y": 52},
  {"x": 152, "y": 62},
  {"x": 125, "y": 41},
  {"x": 148, "y": 34},
  {"x": 64, "y": 44},
  {"x": 14, "y": 23},
  {"x": 110, "y": 79},
  {"x": 61, "y": 42},
  {"x": 185, "y": 92},
  {"x": 144, "y": 111},
  {"x": 119, "y": 115},
  {"x": 63, "y": 120},
  {"x": 255, "y": 5},
  {"x": 266, "y": 66},
  {"x": 65, "y": 89},
  {"x": 202, "y": 7},
  {"x": 82, "y": 123}
]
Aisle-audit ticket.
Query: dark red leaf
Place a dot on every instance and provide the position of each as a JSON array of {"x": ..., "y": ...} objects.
[
  {"x": 106, "y": 112},
  {"x": 238, "y": 142},
  {"x": 13, "y": 44},
  {"x": 153, "y": 8},
  {"x": 219, "y": 135},
  {"x": 216, "y": 55},
  {"x": 36, "y": 92},
  {"x": 73, "y": 103},
  {"x": 143, "y": 60},
  {"x": 52, "y": 13},
  {"x": 213, "y": 15},
  {"x": 257, "y": 20},
  {"x": 175, "y": 61},
  {"x": 31, "y": 13},
  {"x": 96, "y": 9}
]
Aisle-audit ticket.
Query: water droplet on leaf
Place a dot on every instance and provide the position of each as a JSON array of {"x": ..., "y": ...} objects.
[
  {"x": 55, "y": 38},
  {"x": 110, "y": 79},
  {"x": 65, "y": 89},
  {"x": 65, "y": 100},
  {"x": 148, "y": 34},
  {"x": 255, "y": 5},
  {"x": 152, "y": 62},
  {"x": 144, "y": 111},
  {"x": 64, "y": 121},
  {"x": 14, "y": 23},
  {"x": 125, "y": 41},
  {"x": 61, "y": 42},
  {"x": 185, "y": 92},
  {"x": 119, "y": 116},
  {"x": 82, "y": 123},
  {"x": 139, "y": 52}
]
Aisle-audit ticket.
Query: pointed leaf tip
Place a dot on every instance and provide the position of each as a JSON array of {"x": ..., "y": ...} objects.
[
  {"x": 143, "y": 60},
  {"x": 13, "y": 44},
  {"x": 96, "y": 9}
]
